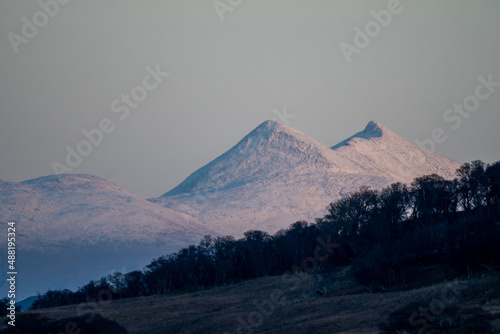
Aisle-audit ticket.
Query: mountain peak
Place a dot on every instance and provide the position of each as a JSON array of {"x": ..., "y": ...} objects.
[
  {"x": 276, "y": 175},
  {"x": 270, "y": 128},
  {"x": 372, "y": 130},
  {"x": 270, "y": 150},
  {"x": 269, "y": 124}
]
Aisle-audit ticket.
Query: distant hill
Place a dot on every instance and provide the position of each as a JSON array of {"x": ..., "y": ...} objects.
[
  {"x": 73, "y": 228},
  {"x": 26, "y": 303}
]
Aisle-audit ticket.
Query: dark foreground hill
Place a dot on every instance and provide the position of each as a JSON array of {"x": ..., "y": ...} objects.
[{"x": 291, "y": 304}]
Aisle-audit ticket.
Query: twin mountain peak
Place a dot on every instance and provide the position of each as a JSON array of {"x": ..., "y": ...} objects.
[
  {"x": 273, "y": 177},
  {"x": 277, "y": 175}
]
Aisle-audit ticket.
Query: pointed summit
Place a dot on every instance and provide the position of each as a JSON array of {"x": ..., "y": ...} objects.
[
  {"x": 271, "y": 126},
  {"x": 387, "y": 154},
  {"x": 269, "y": 131},
  {"x": 271, "y": 150},
  {"x": 372, "y": 130}
]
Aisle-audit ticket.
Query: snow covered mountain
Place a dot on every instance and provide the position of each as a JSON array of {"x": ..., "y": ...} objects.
[
  {"x": 85, "y": 210},
  {"x": 73, "y": 228},
  {"x": 382, "y": 152},
  {"x": 277, "y": 175}
]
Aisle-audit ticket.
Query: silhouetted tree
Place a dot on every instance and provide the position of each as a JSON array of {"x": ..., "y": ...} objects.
[
  {"x": 493, "y": 176},
  {"x": 432, "y": 195},
  {"x": 348, "y": 215},
  {"x": 386, "y": 236},
  {"x": 472, "y": 185}
]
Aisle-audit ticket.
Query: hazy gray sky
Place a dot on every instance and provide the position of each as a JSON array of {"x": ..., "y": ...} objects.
[{"x": 227, "y": 76}]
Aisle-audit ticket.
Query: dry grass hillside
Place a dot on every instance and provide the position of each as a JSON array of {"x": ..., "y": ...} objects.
[{"x": 290, "y": 304}]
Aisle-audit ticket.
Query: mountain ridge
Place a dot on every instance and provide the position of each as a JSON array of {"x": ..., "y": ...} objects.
[
  {"x": 276, "y": 175},
  {"x": 372, "y": 130},
  {"x": 275, "y": 136}
]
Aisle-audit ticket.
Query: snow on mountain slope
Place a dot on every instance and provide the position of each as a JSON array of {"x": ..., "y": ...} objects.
[
  {"x": 87, "y": 210},
  {"x": 272, "y": 177},
  {"x": 386, "y": 154},
  {"x": 74, "y": 228},
  {"x": 271, "y": 151},
  {"x": 277, "y": 175}
]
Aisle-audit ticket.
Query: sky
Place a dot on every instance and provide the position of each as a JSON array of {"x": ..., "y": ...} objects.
[{"x": 146, "y": 92}]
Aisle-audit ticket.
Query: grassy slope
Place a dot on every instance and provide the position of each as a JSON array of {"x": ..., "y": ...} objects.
[{"x": 301, "y": 310}]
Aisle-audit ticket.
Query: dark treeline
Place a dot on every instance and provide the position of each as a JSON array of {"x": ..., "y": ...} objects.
[{"x": 386, "y": 237}]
